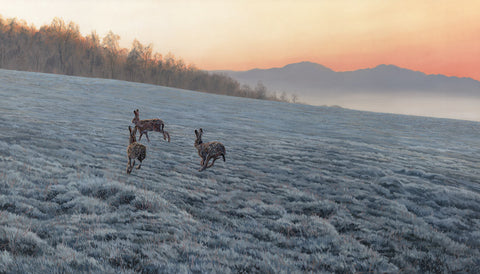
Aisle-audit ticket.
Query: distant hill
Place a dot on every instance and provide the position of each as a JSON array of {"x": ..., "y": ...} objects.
[
  {"x": 385, "y": 88},
  {"x": 315, "y": 81}
]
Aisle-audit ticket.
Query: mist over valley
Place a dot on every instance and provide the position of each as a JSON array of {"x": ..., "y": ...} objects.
[{"x": 385, "y": 88}]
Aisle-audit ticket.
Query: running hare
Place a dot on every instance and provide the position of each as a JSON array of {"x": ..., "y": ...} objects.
[
  {"x": 207, "y": 151},
  {"x": 144, "y": 126},
  {"x": 135, "y": 151}
]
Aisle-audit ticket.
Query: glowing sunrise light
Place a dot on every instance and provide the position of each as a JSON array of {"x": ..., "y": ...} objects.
[{"x": 439, "y": 37}]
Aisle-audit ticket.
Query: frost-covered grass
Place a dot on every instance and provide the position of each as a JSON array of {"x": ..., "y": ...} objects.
[{"x": 304, "y": 189}]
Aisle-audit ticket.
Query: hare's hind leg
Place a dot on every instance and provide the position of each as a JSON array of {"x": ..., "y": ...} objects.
[
  {"x": 223, "y": 155},
  {"x": 139, "y": 165},
  {"x": 166, "y": 136},
  {"x": 214, "y": 159}
]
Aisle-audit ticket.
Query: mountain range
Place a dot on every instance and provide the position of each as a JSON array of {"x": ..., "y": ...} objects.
[
  {"x": 385, "y": 88},
  {"x": 307, "y": 78}
]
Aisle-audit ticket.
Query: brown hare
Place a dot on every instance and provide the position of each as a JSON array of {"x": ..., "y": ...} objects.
[
  {"x": 144, "y": 126},
  {"x": 135, "y": 151},
  {"x": 207, "y": 151}
]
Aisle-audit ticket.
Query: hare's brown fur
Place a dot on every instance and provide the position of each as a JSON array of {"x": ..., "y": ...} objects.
[
  {"x": 144, "y": 126},
  {"x": 207, "y": 151},
  {"x": 135, "y": 151}
]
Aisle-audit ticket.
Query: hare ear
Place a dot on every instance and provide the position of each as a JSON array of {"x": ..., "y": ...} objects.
[
  {"x": 196, "y": 133},
  {"x": 201, "y": 130}
]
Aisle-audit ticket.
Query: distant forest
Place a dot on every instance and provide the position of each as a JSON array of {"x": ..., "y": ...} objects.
[{"x": 60, "y": 48}]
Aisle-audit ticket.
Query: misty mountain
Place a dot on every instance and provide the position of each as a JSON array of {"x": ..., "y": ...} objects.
[
  {"x": 312, "y": 78},
  {"x": 385, "y": 88}
]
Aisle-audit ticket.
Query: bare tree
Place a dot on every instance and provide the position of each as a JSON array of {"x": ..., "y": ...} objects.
[
  {"x": 261, "y": 91},
  {"x": 93, "y": 54},
  {"x": 110, "y": 42},
  {"x": 294, "y": 98}
]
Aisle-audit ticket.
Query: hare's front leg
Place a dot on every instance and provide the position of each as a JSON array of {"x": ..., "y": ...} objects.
[
  {"x": 205, "y": 163},
  {"x": 129, "y": 165},
  {"x": 139, "y": 165}
]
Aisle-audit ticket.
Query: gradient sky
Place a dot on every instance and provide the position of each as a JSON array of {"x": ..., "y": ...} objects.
[{"x": 433, "y": 36}]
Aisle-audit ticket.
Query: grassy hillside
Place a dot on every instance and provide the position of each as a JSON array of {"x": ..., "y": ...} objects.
[{"x": 303, "y": 188}]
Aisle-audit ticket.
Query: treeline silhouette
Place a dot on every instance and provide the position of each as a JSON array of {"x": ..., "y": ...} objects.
[{"x": 60, "y": 48}]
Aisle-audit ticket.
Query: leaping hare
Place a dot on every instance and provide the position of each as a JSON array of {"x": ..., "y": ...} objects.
[
  {"x": 144, "y": 126},
  {"x": 135, "y": 151},
  {"x": 207, "y": 151}
]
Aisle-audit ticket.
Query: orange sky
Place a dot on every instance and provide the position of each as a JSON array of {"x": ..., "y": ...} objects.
[{"x": 433, "y": 36}]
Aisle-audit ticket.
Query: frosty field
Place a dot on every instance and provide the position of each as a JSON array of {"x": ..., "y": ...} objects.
[{"x": 303, "y": 188}]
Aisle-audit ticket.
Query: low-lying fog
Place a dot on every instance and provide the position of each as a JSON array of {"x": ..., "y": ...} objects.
[{"x": 464, "y": 108}]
